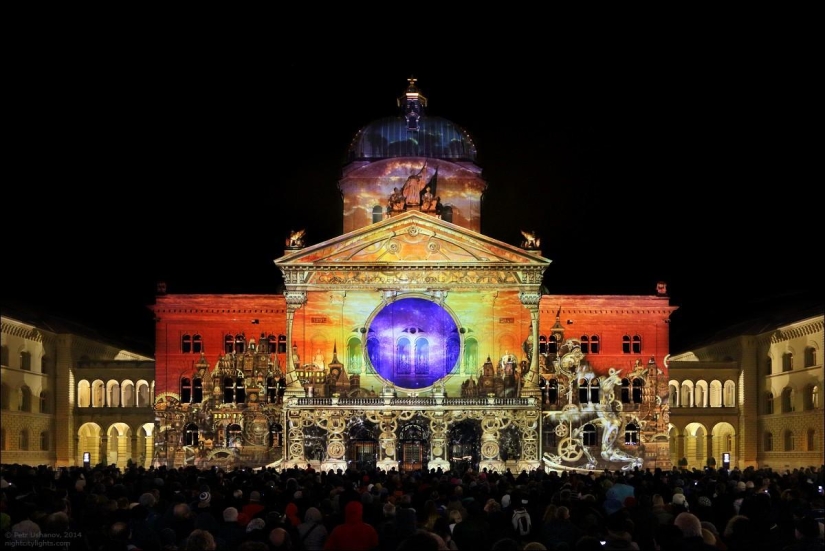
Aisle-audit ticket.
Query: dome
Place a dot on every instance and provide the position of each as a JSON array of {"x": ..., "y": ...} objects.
[{"x": 390, "y": 137}]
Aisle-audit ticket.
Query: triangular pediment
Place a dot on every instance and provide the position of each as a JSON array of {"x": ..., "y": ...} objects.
[{"x": 412, "y": 238}]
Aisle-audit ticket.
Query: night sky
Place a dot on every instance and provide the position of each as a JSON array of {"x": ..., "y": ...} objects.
[{"x": 192, "y": 169}]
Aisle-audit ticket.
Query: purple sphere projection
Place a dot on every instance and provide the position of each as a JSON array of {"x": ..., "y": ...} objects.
[{"x": 413, "y": 342}]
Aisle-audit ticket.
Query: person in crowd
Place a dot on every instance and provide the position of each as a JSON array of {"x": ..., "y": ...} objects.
[
  {"x": 354, "y": 534},
  {"x": 312, "y": 534},
  {"x": 692, "y": 538}
]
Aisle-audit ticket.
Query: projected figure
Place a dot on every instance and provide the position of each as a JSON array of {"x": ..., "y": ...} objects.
[
  {"x": 396, "y": 200},
  {"x": 296, "y": 239},
  {"x": 531, "y": 240},
  {"x": 318, "y": 360},
  {"x": 507, "y": 364},
  {"x": 413, "y": 186},
  {"x": 611, "y": 422},
  {"x": 427, "y": 200}
]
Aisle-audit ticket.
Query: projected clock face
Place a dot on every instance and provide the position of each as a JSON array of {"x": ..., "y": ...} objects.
[{"x": 413, "y": 342}]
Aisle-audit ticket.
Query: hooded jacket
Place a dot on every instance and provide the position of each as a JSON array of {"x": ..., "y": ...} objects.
[{"x": 354, "y": 534}]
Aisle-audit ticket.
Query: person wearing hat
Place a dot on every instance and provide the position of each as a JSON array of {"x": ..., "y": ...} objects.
[
  {"x": 679, "y": 504},
  {"x": 204, "y": 516},
  {"x": 521, "y": 521}
]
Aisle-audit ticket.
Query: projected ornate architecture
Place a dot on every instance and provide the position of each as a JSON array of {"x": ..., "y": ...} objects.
[{"x": 412, "y": 340}]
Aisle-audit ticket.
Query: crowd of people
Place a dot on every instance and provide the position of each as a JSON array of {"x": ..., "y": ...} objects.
[{"x": 165, "y": 509}]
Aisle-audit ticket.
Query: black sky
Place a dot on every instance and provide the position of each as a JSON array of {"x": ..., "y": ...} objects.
[{"x": 143, "y": 165}]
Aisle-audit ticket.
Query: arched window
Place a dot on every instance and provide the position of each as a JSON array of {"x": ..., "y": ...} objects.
[
  {"x": 584, "y": 341},
  {"x": 84, "y": 394},
  {"x": 4, "y": 355},
  {"x": 638, "y": 385},
  {"x": 787, "y": 400},
  {"x": 281, "y": 344},
  {"x": 185, "y": 390},
  {"x": 542, "y": 345},
  {"x": 594, "y": 344},
  {"x": 44, "y": 441},
  {"x": 553, "y": 345},
  {"x": 815, "y": 397},
  {"x": 25, "y": 402},
  {"x": 768, "y": 442},
  {"x": 790, "y": 441},
  {"x": 98, "y": 394},
  {"x": 700, "y": 396},
  {"x": 471, "y": 357},
  {"x": 377, "y": 213},
  {"x": 673, "y": 395},
  {"x": 810, "y": 440},
  {"x": 44, "y": 402},
  {"x": 113, "y": 394},
  {"x": 632, "y": 344},
  {"x": 422, "y": 356},
  {"x": 769, "y": 403},
  {"x": 197, "y": 344},
  {"x": 354, "y": 356},
  {"x": 240, "y": 343},
  {"x": 625, "y": 391},
  {"x": 228, "y": 390},
  {"x": 186, "y": 343},
  {"x": 228, "y": 344},
  {"x": 240, "y": 391},
  {"x": 24, "y": 440},
  {"x": 4, "y": 396},
  {"x": 403, "y": 356},
  {"x": 787, "y": 362},
  {"x": 589, "y": 391},
  {"x": 595, "y": 391},
  {"x": 197, "y": 390},
  {"x": 810, "y": 356},
  {"x": 687, "y": 395},
  {"x": 190, "y": 434},
  {"x": 631, "y": 434},
  {"x": 25, "y": 361},
  {"x": 769, "y": 366}
]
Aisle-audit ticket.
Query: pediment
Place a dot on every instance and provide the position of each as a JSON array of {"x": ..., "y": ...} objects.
[{"x": 412, "y": 238}]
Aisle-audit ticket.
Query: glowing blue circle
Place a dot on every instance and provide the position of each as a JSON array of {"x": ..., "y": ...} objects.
[{"x": 413, "y": 342}]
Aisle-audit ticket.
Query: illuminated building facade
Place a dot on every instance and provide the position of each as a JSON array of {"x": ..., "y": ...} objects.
[
  {"x": 412, "y": 340},
  {"x": 755, "y": 393},
  {"x": 66, "y": 391}
]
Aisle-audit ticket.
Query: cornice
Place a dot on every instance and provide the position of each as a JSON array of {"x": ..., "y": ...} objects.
[
  {"x": 23, "y": 331},
  {"x": 802, "y": 330}
]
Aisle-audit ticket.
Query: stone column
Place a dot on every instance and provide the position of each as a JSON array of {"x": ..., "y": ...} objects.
[
  {"x": 294, "y": 301},
  {"x": 530, "y": 382}
]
